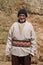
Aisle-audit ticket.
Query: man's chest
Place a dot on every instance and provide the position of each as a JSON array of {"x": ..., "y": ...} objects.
[{"x": 21, "y": 31}]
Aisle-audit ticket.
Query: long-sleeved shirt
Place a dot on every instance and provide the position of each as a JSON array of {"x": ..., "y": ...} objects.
[{"x": 21, "y": 31}]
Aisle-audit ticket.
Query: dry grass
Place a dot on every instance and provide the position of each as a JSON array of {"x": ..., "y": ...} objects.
[
  {"x": 2, "y": 56},
  {"x": 7, "y": 18}
]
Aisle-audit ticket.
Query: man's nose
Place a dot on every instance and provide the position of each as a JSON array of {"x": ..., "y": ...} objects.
[{"x": 21, "y": 17}]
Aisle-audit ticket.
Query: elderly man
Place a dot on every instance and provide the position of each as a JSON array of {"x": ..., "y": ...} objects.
[{"x": 21, "y": 40}]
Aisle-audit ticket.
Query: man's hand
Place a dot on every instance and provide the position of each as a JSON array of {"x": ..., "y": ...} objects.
[
  {"x": 30, "y": 55},
  {"x": 8, "y": 58}
]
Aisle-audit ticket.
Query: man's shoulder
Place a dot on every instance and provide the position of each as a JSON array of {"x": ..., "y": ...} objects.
[
  {"x": 29, "y": 23},
  {"x": 15, "y": 23}
]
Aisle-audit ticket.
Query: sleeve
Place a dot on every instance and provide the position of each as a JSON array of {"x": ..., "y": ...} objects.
[
  {"x": 8, "y": 43},
  {"x": 33, "y": 41}
]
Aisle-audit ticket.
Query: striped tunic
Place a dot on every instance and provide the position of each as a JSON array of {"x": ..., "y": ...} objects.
[{"x": 21, "y": 31}]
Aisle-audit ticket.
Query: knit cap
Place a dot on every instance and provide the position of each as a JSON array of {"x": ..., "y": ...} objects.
[{"x": 22, "y": 11}]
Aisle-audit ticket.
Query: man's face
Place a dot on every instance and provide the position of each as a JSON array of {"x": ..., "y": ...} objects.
[{"x": 22, "y": 17}]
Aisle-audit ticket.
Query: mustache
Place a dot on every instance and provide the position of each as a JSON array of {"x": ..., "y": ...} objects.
[{"x": 21, "y": 19}]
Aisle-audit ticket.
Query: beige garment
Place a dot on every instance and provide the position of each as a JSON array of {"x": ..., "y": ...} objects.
[
  {"x": 21, "y": 27},
  {"x": 21, "y": 32}
]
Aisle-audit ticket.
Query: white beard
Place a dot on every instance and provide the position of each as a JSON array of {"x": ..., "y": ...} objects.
[{"x": 22, "y": 20}]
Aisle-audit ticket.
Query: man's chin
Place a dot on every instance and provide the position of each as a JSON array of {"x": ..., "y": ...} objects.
[{"x": 22, "y": 21}]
